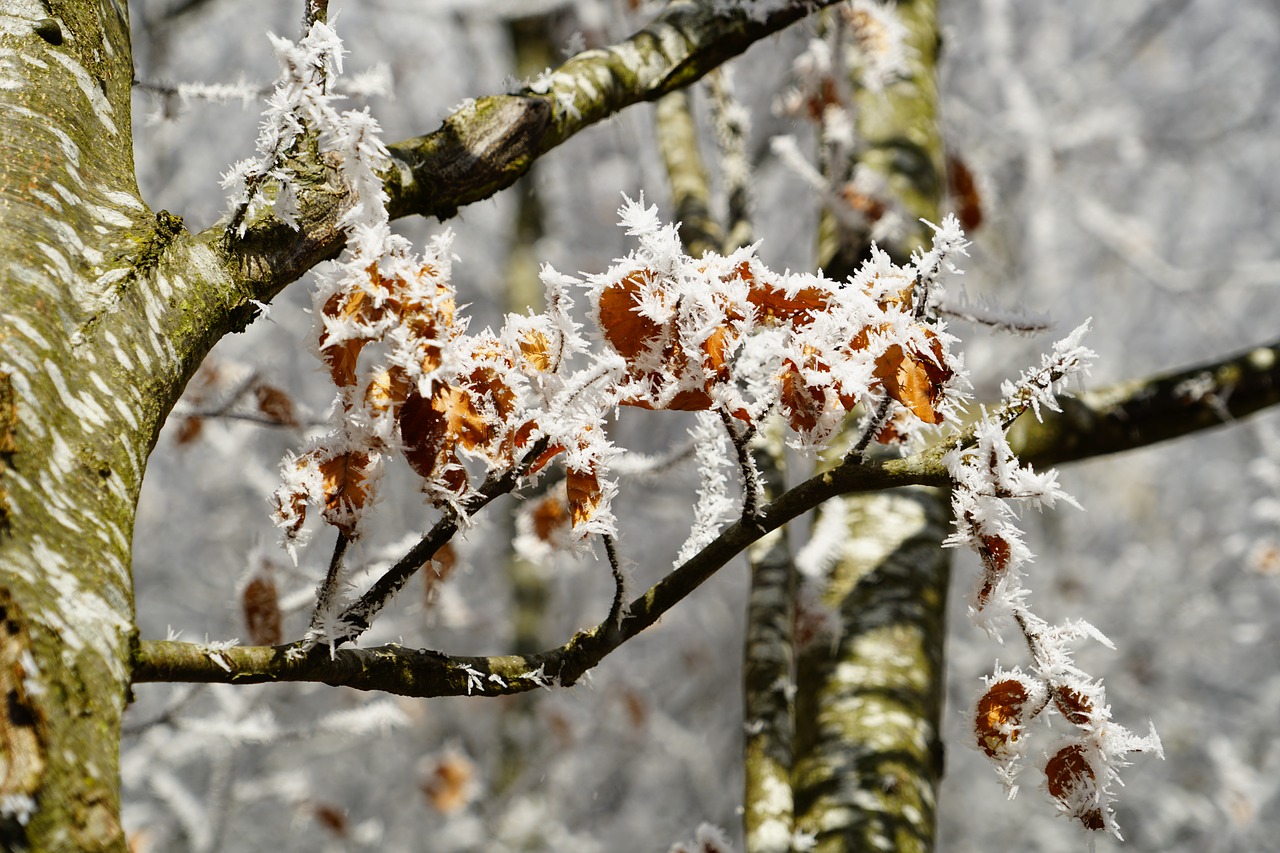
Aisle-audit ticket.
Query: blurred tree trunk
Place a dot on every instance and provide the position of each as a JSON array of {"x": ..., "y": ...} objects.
[{"x": 868, "y": 753}]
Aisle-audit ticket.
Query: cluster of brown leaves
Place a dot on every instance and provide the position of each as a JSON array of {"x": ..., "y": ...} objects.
[
  {"x": 1000, "y": 719},
  {"x": 666, "y": 371},
  {"x": 444, "y": 395}
]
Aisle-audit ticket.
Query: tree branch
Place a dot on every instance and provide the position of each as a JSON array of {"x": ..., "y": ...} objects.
[
  {"x": 1122, "y": 418},
  {"x": 488, "y": 144},
  {"x": 1147, "y": 411},
  {"x": 428, "y": 673}
]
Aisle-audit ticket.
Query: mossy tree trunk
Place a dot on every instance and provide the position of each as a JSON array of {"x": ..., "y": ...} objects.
[
  {"x": 867, "y": 746},
  {"x": 106, "y": 308}
]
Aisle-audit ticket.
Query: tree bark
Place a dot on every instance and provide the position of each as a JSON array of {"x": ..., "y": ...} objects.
[
  {"x": 868, "y": 754},
  {"x": 80, "y": 361},
  {"x": 107, "y": 308}
]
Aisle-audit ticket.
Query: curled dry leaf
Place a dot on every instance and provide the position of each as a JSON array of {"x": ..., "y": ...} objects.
[
  {"x": 1071, "y": 781},
  {"x": 536, "y": 349},
  {"x": 189, "y": 430},
  {"x": 629, "y": 332},
  {"x": 276, "y": 405},
  {"x": 584, "y": 493},
  {"x": 1073, "y": 705},
  {"x": 998, "y": 720},
  {"x": 388, "y": 387},
  {"x": 355, "y": 308},
  {"x": 332, "y": 818},
  {"x": 802, "y": 404},
  {"x": 450, "y": 782},
  {"x": 260, "y": 603},
  {"x": 345, "y": 480},
  {"x": 441, "y": 566},
  {"x": 914, "y": 379},
  {"x": 963, "y": 188},
  {"x": 550, "y": 516}
]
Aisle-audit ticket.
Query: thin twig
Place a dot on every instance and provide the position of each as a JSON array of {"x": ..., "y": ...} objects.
[
  {"x": 873, "y": 426},
  {"x": 329, "y": 586},
  {"x": 617, "y": 609},
  {"x": 746, "y": 465},
  {"x": 357, "y": 618}
]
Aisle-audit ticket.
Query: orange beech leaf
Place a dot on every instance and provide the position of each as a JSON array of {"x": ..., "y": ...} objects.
[
  {"x": 388, "y": 388},
  {"x": 994, "y": 551},
  {"x": 440, "y": 305},
  {"x": 802, "y": 405},
  {"x": 445, "y": 559},
  {"x": 626, "y": 330},
  {"x": 450, "y": 785},
  {"x": 332, "y": 818},
  {"x": 423, "y": 433},
  {"x": 525, "y": 432},
  {"x": 583, "y": 488},
  {"x": 432, "y": 430},
  {"x": 963, "y": 188},
  {"x": 691, "y": 400},
  {"x": 536, "y": 349},
  {"x": 893, "y": 430},
  {"x": 464, "y": 424},
  {"x": 345, "y": 478},
  {"x": 868, "y": 205},
  {"x": 547, "y": 455},
  {"x": 291, "y": 505},
  {"x": 1074, "y": 705},
  {"x": 454, "y": 475},
  {"x": 276, "y": 405},
  {"x": 342, "y": 356},
  {"x": 913, "y": 380},
  {"x": 550, "y": 516},
  {"x": 773, "y": 306},
  {"x": 443, "y": 562},
  {"x": 998, "y": 719},
  {"x": 716, "y": 349},
  {"x": 1068, "y": 774},
  {"x": 489, "y": 384},
  {"x": 188, "y": 430}
]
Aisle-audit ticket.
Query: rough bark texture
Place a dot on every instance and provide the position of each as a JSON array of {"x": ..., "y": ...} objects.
[
  {"x": 868, "y": 754},
  {"x": 78, "y": 357},
  {"x": 107, "y": 309}
]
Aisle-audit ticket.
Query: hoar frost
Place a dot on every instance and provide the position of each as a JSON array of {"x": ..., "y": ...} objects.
[{"x": 721, "y": 335}]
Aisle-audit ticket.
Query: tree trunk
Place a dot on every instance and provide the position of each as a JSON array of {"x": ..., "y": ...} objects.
[
  {"x": 868, "y": 753},
  {"x": 100, "y": 328}
]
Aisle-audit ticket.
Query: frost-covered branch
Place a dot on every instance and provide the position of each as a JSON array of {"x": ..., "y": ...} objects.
[
  {"x": 1145, "y": 411},
  {"x": 412, "y": 673},
  {"x": 407, "y": 672},
  {"x": 488, "y": 144},
  {"x": 1083, "y": 769}
]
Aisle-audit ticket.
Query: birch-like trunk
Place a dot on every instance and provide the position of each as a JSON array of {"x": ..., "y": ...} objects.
[{"x": 106, "y": 308}]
